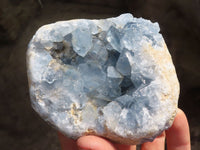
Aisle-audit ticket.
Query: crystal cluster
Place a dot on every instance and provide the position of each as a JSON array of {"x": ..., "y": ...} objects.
[{"x": 111, "y": 77}]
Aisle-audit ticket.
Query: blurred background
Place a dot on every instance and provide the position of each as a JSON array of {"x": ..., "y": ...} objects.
[{"x": 20, "y": 127}]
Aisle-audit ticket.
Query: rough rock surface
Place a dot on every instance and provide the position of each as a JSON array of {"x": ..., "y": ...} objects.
[{"x": 112, "y": 77}]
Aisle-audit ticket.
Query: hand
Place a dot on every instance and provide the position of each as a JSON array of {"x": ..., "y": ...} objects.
[{"x": 177, "y": 137}]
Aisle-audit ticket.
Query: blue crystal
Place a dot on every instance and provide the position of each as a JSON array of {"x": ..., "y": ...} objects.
[
  {"x": 81, "y": 41},
  {"x": 113, "y": 38}
]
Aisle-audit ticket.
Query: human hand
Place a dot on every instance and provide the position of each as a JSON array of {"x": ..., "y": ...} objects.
[{"x": 177, "y": 137}]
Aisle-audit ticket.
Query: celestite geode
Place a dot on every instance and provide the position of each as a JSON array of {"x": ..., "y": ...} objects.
[{"x": 111, "y": 77}]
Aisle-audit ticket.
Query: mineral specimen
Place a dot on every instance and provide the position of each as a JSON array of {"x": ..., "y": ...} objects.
[{"x": 112, "y": 77}]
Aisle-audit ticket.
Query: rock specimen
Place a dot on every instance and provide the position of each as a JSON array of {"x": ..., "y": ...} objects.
[{"x": 112, "y": 77}]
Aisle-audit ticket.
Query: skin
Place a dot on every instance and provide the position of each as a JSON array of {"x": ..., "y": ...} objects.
[{"x": 177, "y": 138}]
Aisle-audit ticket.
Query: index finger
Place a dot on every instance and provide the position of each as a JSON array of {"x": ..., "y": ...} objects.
[{"x": 178, "y": 135}]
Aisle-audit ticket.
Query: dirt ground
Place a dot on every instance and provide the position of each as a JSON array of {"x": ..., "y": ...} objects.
[{"x": 22, "y": 129}]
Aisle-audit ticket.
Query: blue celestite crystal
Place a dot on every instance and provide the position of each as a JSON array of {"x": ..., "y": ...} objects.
[{"x": 110, "y": 77}]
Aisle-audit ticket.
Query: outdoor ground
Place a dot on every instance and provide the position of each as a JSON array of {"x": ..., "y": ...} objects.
[{"x": 21, "y": 128}]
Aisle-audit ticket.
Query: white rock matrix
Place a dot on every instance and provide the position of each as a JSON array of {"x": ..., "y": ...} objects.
[{"x": 110, "y": 77}]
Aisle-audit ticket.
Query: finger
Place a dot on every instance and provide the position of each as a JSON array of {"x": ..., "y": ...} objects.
[
  {"x": 157, "y": 144},
  {"x": 178, "y": 136},
  {"x": 98, "y": 143},
  {"x": 66, "y": 143},
  {"x": 91, "y": 142},
  {"x": 125, "y": 147}
]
